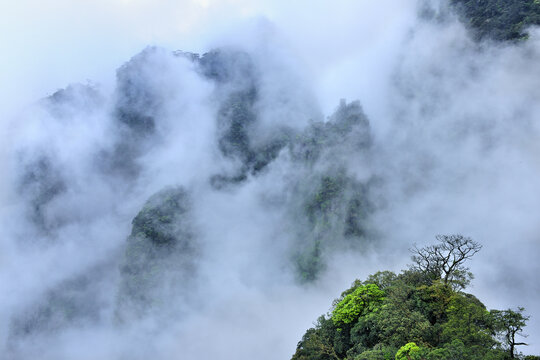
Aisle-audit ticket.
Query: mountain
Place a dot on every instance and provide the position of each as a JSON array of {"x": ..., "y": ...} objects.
[{"x": 210, "y": 203}]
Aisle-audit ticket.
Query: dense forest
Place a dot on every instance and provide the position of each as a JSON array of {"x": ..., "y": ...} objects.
[{"x": 420, "y": 313}]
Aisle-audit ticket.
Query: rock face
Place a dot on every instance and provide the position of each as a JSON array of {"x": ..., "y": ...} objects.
[
  {"x": 238, "y": 86},
  {"x": 331, "y": 207},
  {"x": 160, "y": 256},
  {"x": 325, "y": 206},
  {"x": 77, "y": 301},
  {"x": 41, "y": 183},
  {"x": 65, "y": 103},
  {"x": 136, "y": 113},
  {"x": 328, "y": 204}
]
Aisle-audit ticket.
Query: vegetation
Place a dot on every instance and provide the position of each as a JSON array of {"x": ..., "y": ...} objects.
[
  {"x": 499, "y": 19},
  {"x": 510, "y": 323},
  {"x": 408, "y": 352},
  {"x": 333, "y": 205},
  {"x": 364, "y": 299},
  {"x": 160, "y": 251},
  {"x": 237, "y": 117},
  {"x": 421, "y": 313},
  {"x": 347, "y": 125},
  {"x": 41, "y": 183},
  {"x": 334, "y": 209}
]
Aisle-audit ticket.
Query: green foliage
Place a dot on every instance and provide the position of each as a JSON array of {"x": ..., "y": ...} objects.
[
  {"x": 438, "y": 354},
  {"x": 325, "y": 199},
  {"x": 379, "y": 352},
  {"x": 435, "y": 300},
  {"x": 332, "y": 205},
  {"x": 409, "y": 351},
  {"x": 366, "y": 333},
  {"x": 468, "y": 320},
  {"x": 309, "y": 263},
  {"x": 508, "y": 324},
  {"x": 374, "y": 318},
  {"x": 383, "y": 279},
  {"x": 314, "y": 346},
  {"x": 499, "y": 19},
  {"x": 333, "y": 209},
  {"x": 364, "y": 299},
  {"x": 456, "y": 349},
  {"x": 398, "y": 324},
  {"x": 160, "y": 249},
  {"x": 371, "y": 355},
  {"x": 155, "y": 221}
]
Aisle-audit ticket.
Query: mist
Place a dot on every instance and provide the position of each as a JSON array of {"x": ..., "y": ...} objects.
[{"x": 206, "y": 187}]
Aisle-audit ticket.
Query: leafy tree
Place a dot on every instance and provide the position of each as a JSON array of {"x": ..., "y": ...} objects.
[
  {"x": 445, "y": 261},
  {"x": 409, "y": 351},
  {"x": 468, "y": 320},
  {"x": 437, "y": 321},
  {"x": 401, "y": 319},
  {"x": 508, "y": 324},
  {"x": 434, "y": 301},
  {"x": 379, "y": 352},
  {"x": 400, "y": 324},
  {"x": 315, "y": 346},
  {"x": 365, "y": 334},
  {"x": 383, "y": 279},
  {"x": 365, "y": 298},
  {"x": 371, "y": 355},
  {"x": 456, "y": 350}
]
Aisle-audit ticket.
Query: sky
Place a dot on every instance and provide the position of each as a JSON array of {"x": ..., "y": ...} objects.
[
  {"x": 64, "y": 41},
  {"x": 455, "y": 128}
]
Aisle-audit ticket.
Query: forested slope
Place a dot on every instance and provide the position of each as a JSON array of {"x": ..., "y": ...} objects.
[
  {"x": 499, "y": 19},
  {"x": 421, "y": 313}
]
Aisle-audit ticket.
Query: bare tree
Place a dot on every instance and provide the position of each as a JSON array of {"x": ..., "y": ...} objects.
[{"x": 445, "y": 260}]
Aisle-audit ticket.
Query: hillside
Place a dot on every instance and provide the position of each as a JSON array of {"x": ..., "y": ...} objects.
[
  {"x": 421, "y": 313},
  {"x": 499, "y": 19},
  {"x": 211, "y": 204}
]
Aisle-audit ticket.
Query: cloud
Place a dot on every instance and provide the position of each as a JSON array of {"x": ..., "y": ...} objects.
[{"x": 452, "y": 144}]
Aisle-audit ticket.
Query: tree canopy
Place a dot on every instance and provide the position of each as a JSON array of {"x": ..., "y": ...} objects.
[{"x": 421, "y": 313}]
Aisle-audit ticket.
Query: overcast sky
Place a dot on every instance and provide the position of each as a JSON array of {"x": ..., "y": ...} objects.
[{"x": 47, "y": 45}]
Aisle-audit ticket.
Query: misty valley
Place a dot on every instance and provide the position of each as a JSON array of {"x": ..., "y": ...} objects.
[{"x": 210, "y": 206}]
